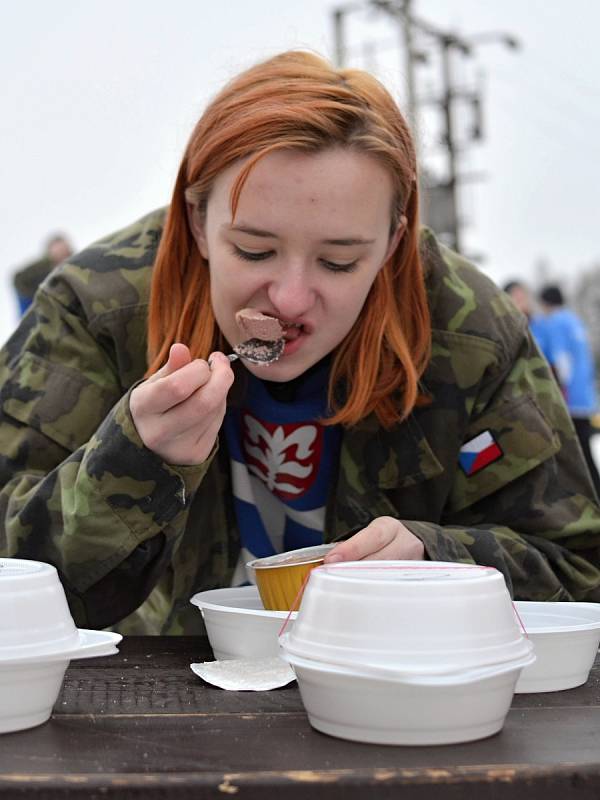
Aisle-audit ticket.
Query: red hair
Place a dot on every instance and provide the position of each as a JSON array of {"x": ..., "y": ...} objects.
[{"x": 297, "y": 101}]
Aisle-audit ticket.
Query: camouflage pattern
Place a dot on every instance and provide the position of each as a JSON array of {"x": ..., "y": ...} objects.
[{"x": 133, "y": 538}]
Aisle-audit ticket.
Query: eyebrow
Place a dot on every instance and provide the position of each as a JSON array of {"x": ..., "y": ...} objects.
[
  {"x": 347, "y": 242},
  {"x": 253, "y": 231}
]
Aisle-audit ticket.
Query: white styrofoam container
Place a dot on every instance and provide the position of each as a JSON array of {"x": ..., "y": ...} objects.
[
  {"x": 565, "y": 638},
  {"x": 38, "y": 639},
  {"x": 28, "y": 693},
  {"x": 430, "y": 616},
  {"x": 237, "y": 624},
  {"x": 366, "y": 707},
  {"x": 35, "y": 617}
]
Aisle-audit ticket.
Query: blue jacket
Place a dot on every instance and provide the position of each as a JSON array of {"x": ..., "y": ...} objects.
[{"x": 562, "y": 338}]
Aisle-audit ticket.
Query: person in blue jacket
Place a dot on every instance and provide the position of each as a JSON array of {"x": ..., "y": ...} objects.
[{"x": 563, "y": 338}]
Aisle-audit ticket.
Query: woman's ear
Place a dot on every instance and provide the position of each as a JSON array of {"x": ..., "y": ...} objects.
[
  {"x": 396, "y": 237},
  {"x": 196, "y": 224}
]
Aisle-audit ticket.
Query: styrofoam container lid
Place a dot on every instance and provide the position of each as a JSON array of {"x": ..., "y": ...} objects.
[
  {"x": 35, "y": 621},
  {"x": 17, "y": 572},
  {"x": 422, "y": 615},
  {"x": 412, "y": 576},
  {"x": 35, "y": 615}
]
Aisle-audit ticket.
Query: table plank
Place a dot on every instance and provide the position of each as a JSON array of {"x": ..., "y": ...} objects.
[
  {"x": 553, "y": 783},
  {"x": 247, "y": 742}
]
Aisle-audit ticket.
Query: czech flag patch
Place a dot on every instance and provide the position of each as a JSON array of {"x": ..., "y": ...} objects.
[{"x": 478, "y": 453}]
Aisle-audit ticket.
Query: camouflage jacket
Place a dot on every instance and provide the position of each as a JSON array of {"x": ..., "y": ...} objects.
[{"x": 133, "y": 538}]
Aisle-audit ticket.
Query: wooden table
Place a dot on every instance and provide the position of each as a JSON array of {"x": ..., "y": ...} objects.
[{"x": 142, "y": 725}]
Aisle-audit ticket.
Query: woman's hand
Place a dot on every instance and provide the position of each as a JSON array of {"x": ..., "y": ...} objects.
[
  {"x": 383, "y": 538},
  {"x": 179, "y": 410}
]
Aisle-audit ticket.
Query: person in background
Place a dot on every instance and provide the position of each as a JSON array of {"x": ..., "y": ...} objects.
[
  {"x": 565, "y": 344},
  {"x": 27, "y": 279},
  {"x": 408, "y": 417},
  {"x": 521, "y": 296}
]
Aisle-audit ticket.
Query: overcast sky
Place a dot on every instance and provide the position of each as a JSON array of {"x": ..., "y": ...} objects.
[{"x": 99, "y": 98}]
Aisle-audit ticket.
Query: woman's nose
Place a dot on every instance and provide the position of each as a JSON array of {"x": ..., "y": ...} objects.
[{"x": 291, "y": 293}]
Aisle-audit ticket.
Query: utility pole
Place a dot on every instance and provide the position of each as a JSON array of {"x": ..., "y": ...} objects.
[
  {"x": 339, "y": 32},
  {"x": 443, "y": 195},
  {"x": 450, "y": 142},
  {"x": 402, "y": 14},
  {"x": 338, "y": 37},
  {"x": 401, "y": 11},
  {"x": 406, "y": 28}
]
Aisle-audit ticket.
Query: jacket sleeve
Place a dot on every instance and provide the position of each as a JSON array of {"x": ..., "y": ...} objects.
[
  {"x": 532, "y": 513},
  {"x": 78, "y": 488}
]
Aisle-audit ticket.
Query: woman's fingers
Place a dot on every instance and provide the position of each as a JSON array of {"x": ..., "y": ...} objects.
[
  {"x": 395, "y": 551},
  {"x": 178, "y": 387},
  {"x": 179, "y": 356},
  {"x": 384, "y": 538},
  {"x": 196, "y": 412},
  {"x": 377, "y": 535},
  {"x": 178, "y": 412}
]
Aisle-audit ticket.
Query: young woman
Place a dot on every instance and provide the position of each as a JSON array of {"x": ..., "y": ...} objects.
[{"x": 409, "y": 417}]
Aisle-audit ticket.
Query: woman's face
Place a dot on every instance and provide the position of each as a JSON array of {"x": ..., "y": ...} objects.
[{"x": 310, "y": 234}]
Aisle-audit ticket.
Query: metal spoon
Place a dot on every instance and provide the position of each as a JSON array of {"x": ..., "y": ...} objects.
[{"x": 258, "y": 351}]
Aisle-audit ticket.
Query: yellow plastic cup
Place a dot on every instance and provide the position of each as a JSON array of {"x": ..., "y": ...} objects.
[{"x": 280, "y": 578}]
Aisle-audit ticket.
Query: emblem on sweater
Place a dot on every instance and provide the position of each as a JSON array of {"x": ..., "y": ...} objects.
[
  {"x": 478, "y": 453},
  {"x": 285, "y": 457}
]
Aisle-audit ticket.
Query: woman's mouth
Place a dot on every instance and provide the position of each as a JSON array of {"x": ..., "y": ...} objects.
[
  {"x": 294, "y": 337},
  {"x": 292, "y": 332}
]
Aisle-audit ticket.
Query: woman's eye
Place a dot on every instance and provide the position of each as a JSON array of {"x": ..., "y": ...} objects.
[
  {"x": 335, "y": 267},
  {"x": 247, "y": 255}
]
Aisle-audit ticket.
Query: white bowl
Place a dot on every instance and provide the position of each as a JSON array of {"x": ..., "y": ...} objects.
[
  {"x": 428, "y": 617},
  {"x": 34, "y": 615},
  {"x": 38, "y": 639},
  {"x": 30, "y": 685},
  {"x": 364, "y": 707},
  {"x": 565, "y": 637},
  {"x": 237, "y": 624},
  {"x": 28, "y": 693}
]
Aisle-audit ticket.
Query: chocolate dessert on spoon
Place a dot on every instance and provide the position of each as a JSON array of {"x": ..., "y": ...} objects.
[{"x": 264, "y": 343}]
